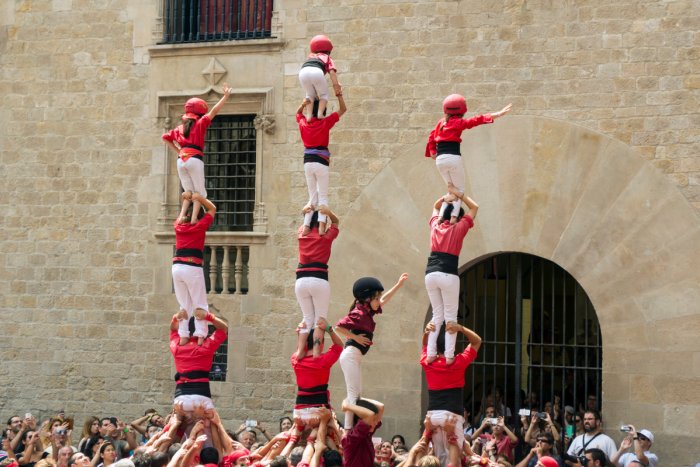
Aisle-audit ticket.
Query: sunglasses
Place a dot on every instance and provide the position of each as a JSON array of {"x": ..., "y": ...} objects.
[{"x": 543, "y": 440}]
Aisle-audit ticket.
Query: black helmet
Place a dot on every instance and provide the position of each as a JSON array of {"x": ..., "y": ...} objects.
[{"x": 365, "y": 287}]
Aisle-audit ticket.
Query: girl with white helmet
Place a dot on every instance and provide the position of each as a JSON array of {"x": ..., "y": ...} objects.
[
  {"x": 444, "y": 140},
  {"x": 187, "y": 140},
  {"x": 312, "y": 75},
  {"x": 358, "y": 330}
]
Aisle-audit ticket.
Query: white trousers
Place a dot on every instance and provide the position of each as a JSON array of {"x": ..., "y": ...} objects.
[
  {"x": 307, "y": 414},
  {"x": 451, "y": 168},
  {"x": 191, "y": 175},
  {"x": 313, "y": 82},
  {"x": 443, "y": 292},
  {"x": 317, "y": 176},
  {"x": 440, "y": 437},
  {"x": 191, "y": 293},
  {"x": 190, "y": 401},
  {"x": 314, "y": 297},
  {"x": 351, "y": 364}
]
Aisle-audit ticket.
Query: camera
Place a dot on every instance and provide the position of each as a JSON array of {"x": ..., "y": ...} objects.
[
  {"x": 524, "y": 412},
  {"x": 583, "y": 460},
  {"x": 625, "y": 428},
  {"x": 542, "y": 415},
  {"x": 251, "y": 423}
]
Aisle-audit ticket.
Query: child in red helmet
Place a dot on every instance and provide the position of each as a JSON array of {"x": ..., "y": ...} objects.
[
  {"x": 443, "y": 142},
  {"x": 312, "y": 75},
  {"x": 358, "y": 330},
  {"x": 187, "y": 140}
]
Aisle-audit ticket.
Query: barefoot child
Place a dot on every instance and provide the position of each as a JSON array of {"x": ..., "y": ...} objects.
[
  {"x": 315, "y": 135},
  {"x": 312, "y": 75},
  {"x": 358, "y": 330},
  {"x": 187, "y": 140},
  {"x": 444, "y": 140}
]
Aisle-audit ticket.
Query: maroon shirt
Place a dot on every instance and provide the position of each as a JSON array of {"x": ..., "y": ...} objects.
[
  {"x": 358, "y": 450},
  {"x": 360, "y": 318}
]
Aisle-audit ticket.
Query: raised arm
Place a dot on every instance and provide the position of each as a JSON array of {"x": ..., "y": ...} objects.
[
  {"x": 472, "y": 337},
  {"x": 331, "y": 215},
  {"x": 208, "y": 205},
  {"x": 215, "y": 110},
  {"x": 387, "y": 296},
  {"x": 140, "y": 424},
  {"x": 175, "y": 322},
  {"x": 343, "y": 108},
  {"x": 300, "y": 110},
  {"x": 471, "y": 204},
  {"x": 323, "y": 324}
]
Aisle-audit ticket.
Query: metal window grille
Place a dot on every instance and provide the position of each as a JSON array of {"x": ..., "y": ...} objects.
[
  {"x": 230, "y": 168},
  {"x": 220, "y": 363},
  {"x": 540, "y": 336},
  {"x": 216, "y": 20}
]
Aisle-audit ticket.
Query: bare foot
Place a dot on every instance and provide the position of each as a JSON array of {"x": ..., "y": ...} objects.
[
  {"x": 453, "y": 220},
  {"x": 184, "y": 340},
  {"x": 200, "y": 340},
  {"x": 431, "y": 359},
  {"x": 305, "y": 231},
  {"x": 322, "y": 228},
  {"x": 449, "y": 361}
]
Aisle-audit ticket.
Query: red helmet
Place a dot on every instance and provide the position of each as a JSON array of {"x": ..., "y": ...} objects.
[
  {"x": 320, "y": 43},
  {"x": 454, "y": 104},
  {"x": 196, "y": 106}
]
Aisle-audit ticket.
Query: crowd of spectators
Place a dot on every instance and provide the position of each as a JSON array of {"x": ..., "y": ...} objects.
[{"x": 552, "y": 437}]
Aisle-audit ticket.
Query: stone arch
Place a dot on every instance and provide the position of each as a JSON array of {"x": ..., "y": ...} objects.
[{"x": 566, "y": 193}]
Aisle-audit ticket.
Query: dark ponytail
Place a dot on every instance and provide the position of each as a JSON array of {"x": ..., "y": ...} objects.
[{"x": 187, "y": 127}]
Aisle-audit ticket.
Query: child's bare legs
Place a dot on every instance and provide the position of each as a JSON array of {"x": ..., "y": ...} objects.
[
  {"x": 302, "y": 337},
  {"x": 186, "y": 201},
  {"x": 308, "y": 213},
  {"x": 308, "y": 110},
  {"x": 196, "y": 206},
  {"x": 200, "y": 326}
]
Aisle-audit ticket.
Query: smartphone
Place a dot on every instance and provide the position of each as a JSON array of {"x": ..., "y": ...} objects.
[
  {"x": 493, "y": 421},
  {"x": 376, "y": 441},
  {"x": 569, "y": 431},
  {"x": 251, "y": 423},
  {"x": 524, "y": 412},
  {"x": 542, "y": 415},
  {"x": 625, "y": 428}
]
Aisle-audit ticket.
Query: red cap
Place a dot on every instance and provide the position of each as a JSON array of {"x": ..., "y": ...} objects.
[
  {"x": 547, "y": 461},
  {"x": 232, "y": 458}
]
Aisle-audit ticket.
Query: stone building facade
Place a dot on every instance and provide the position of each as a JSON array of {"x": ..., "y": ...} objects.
[{"x": 596, "y": 169}]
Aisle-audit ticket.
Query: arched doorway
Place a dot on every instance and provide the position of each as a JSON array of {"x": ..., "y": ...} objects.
[{"x": 541, "y": 336}]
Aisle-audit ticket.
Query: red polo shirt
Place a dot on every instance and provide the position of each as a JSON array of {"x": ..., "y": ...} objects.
[
  {"x": 311, "y": 372},
  {"x": 452, "y": 131},
  {"x": 316, "y": 132},
  {"x": 191, "y": 357},
  {"x": 315, "y": 248},
  {"x": 196, "y": 136},
  {"x": 192, "y": 237},
  {"x": 446, "y": 237},
  {"x": 440, "y": 375}
]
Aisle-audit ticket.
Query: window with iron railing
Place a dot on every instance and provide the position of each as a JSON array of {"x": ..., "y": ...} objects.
[
  {"x": 230, "y": 167},
  {"x": 216, "y": 20},
  {"x": 220, "y": 363}
]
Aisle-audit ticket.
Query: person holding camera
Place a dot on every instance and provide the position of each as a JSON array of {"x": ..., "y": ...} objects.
[
  {"x": 593, "y": 457},
  {"x": 540, "y": 423},
  {"x": 544, "y": 447},
  {"x": 593, "y": 437},
  {"x": 501, "y": 438},
  {"x": 640, "y": 442}
]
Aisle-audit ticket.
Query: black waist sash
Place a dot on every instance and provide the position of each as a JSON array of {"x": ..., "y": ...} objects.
[
  {"x": 182, "y": 252},
  {"x": 317, "y": 395},
  {"x": 200, "y": 388},
  {"x": 442, "y": 262},
  {"x": 193, "y": 146},
  {"x": 316, "y": 158},
  {"x": 448, "y": 147},
  {"x": 451, "y": 400},
  {"x": 363, "y": 348},
  {"x": 314, "y": 62},
  {"x": 320, "y": 274}
]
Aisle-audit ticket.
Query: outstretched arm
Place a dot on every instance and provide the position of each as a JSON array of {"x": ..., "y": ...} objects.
[
  {"x": 501, "y": 112},
  {"x": 387, "y": 296},
  {"x": 215, "y": 110}
]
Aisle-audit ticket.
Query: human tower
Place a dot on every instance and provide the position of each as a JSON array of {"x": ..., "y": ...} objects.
[{"x": 193, "y": 350}]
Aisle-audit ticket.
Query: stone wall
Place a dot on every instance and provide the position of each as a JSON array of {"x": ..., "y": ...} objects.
[{"x": 84, "y": 288}]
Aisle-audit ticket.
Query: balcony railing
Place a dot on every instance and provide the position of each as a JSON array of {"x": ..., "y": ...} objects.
[
  {"x": 216, "y": 20},
  {"x": 226, "y": 259}
]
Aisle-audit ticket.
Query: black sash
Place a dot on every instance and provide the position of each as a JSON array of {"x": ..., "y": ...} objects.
[
  {"x": 183, "y": 252},
  {"x": 448, "y": 147},
  {"x": 451, "y": 400},
  {"x": 194, "y": 374},
  {"x": 308, "y": 158},
  {"x": 314, "y": 62},
  {"x": 199, "y": 389},
  {"x": 317, "y": 395},
  {"x": 193, "y": 146},
  {"x": 442, "y": 262},
  {"x": 363, "y": 348}
]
